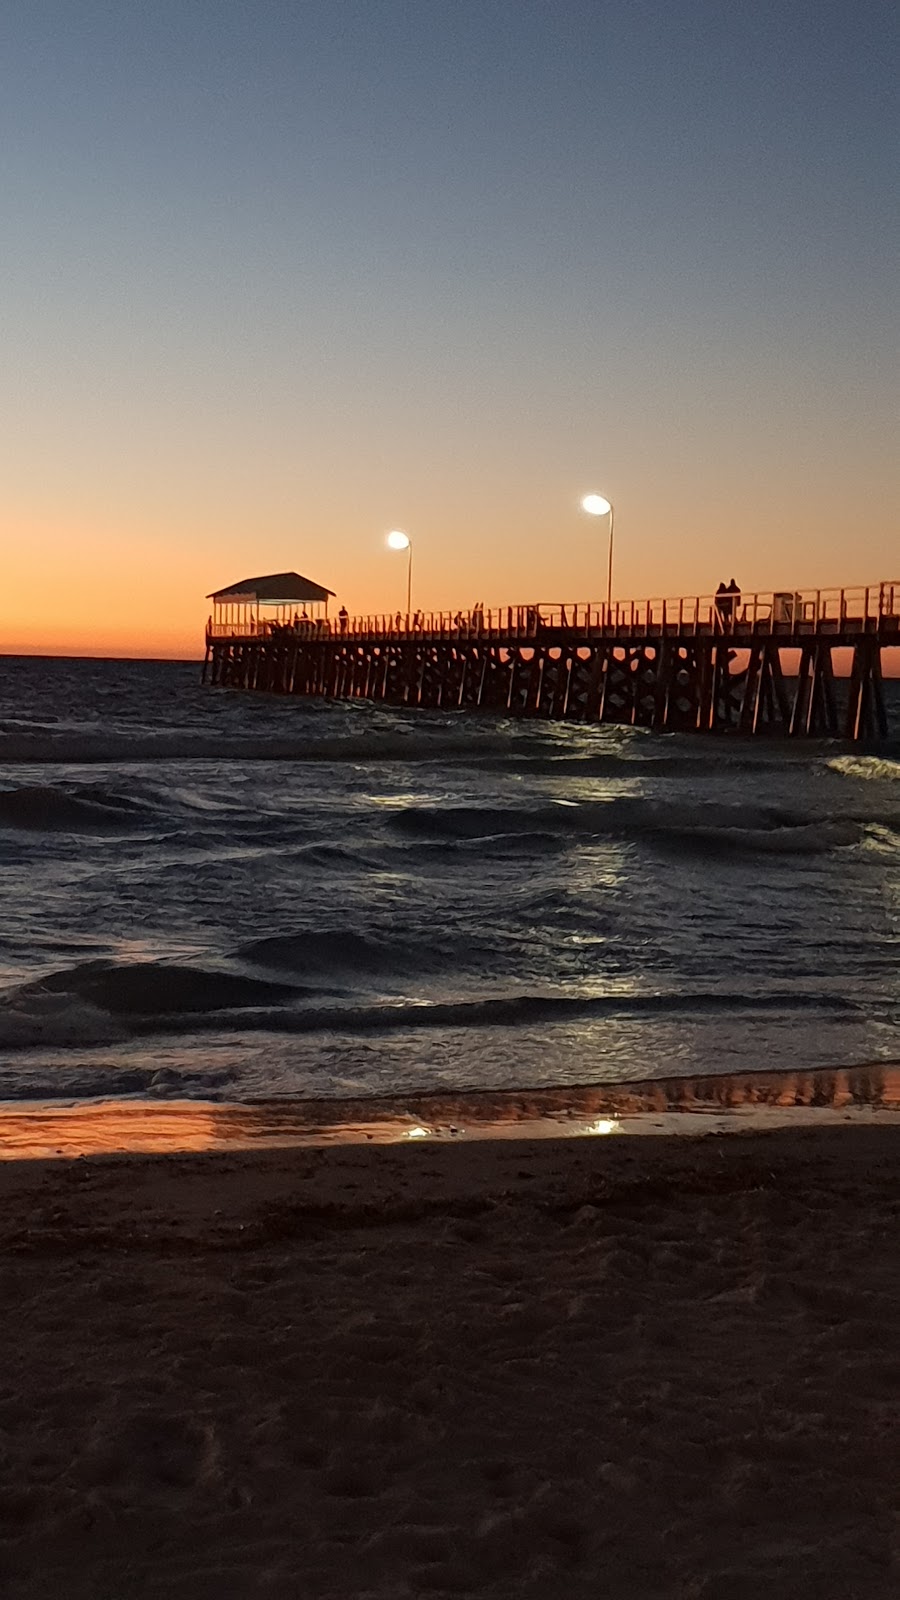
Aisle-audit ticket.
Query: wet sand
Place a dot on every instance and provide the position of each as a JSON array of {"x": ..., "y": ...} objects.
[
  {"x": 540, "y": 1368},
  {"x": 687, "y": 1105}
]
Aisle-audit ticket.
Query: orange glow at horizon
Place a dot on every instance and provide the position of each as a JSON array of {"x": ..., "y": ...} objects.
[{"x": 76, "y": 588}]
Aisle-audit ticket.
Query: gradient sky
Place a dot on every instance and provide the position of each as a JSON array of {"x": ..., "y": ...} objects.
[{"x": 278, "y": 277}]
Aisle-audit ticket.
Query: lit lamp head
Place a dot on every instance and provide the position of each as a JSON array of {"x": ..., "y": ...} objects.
[{"x": 397, "y": 540}]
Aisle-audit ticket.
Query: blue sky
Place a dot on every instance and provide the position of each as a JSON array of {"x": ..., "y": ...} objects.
[{"x": 278, "y": 276}]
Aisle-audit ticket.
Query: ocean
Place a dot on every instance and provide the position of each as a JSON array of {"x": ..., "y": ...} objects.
[{"x": 215, "y": 896}]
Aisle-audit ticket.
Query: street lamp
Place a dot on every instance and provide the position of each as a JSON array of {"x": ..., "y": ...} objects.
[
  {"x": 401, "y": 541},
  {"x": 597, "y": 505}
]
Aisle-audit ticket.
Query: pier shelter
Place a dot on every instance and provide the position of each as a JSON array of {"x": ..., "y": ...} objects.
[{"x": 265, "y": 605}]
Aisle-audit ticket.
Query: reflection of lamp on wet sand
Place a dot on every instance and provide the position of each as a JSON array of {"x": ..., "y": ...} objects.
[
  {"x": 597, "y": 505},
  {"x": 401, "y": 541},
  {"x": 604, "y": 1125}
]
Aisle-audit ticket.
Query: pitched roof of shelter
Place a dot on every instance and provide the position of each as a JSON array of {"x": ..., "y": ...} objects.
[{"x": 275, "y": 588}]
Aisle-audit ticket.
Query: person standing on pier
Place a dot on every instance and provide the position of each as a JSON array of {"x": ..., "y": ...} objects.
[{"x": 723, "y": 605}]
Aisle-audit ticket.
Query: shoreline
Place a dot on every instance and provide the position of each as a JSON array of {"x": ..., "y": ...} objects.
[
  {"x": 648, "y": 1368},
  {"x": 689, "y": 1105}
]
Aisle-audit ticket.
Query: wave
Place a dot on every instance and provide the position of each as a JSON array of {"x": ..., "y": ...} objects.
[
  {"x": 330, "y": 950},
  {"x": 151, "y": 988},
  {"x": 42, "y": 808},
  {"x": 61, "y": 1021},
  {"x": 701, "y": 827},
  {"x": 113, "y": 1083},
  {"x": 96, "y": 1005},
  {"x": 883, "y": 838},
  {"x": 623, "y": 750},
  {"x": 334, "y": 857},
  {"x": 881, "y": 768},
  {"x": 506, "y": 844},
  {"x": 417, "y": 746},
  {"x": 813, "y": 838},
  {"x": 525, "y": 1010},
  {"x": 668, "y": 760}
]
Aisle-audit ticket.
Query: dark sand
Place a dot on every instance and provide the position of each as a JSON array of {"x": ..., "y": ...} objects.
[{"x": 637, "y": 1368}]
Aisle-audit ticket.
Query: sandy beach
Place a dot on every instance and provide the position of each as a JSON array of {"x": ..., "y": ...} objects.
[{"x": 642, "y": 1368}]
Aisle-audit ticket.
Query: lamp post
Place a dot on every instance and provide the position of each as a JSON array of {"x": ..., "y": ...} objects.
[
  {"x": 597, "y": 505},
  {"x": 401, "y": 541}
]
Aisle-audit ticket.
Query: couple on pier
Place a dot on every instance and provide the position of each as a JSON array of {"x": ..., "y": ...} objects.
[{"x": 728, "y": 599}]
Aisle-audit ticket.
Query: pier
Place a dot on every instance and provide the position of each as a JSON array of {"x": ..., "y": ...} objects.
[{"x": 796, "y": 663}]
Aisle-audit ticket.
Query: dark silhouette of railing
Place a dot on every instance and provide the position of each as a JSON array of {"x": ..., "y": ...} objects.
[{"x": 779, "y": 613}]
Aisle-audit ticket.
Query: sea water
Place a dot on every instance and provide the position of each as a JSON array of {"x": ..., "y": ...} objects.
[{"x": 228, "y": 896}]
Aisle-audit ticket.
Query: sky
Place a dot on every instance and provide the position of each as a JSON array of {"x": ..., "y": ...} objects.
[{"x": 282, "y": 275}]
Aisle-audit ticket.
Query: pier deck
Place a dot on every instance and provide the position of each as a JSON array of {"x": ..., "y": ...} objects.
[{"x": 758, "y": 663}]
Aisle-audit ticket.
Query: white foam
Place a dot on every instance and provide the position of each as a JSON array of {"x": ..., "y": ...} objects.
[{"x": 881, "y": 768}]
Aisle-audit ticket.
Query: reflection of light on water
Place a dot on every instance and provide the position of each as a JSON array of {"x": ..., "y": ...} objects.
[
  {"x": 45, "y": 1131},
  {"x": 405, "y": 799},
  {"x": 418, "y": 1133},
  {"x": 604, "y": 1125}
]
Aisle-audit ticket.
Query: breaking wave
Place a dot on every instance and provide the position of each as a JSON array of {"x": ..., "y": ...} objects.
[
  {"x": 812, "y": 838},
  {"x": 43, "y": 809},
  {"x": 151, "y": 988},
  {"x": 30, "y": 1018},
  {"x": 97, "y": 1004},
  {"x": 112, "y": 1083},
  {"x": 701, "y": 827}
]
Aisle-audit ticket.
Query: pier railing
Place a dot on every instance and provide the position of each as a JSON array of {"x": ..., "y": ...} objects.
[{"x": 780, "y": 612}]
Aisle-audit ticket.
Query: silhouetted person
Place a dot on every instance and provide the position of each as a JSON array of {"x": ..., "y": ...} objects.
[
  {"x": 735, "y": 601},
  {"x": 723, "y": 604},
  {"x": 343, "y": 618}
]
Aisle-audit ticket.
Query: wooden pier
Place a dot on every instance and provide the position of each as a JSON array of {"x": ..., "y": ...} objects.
[{"x": 749, "y": 664}]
